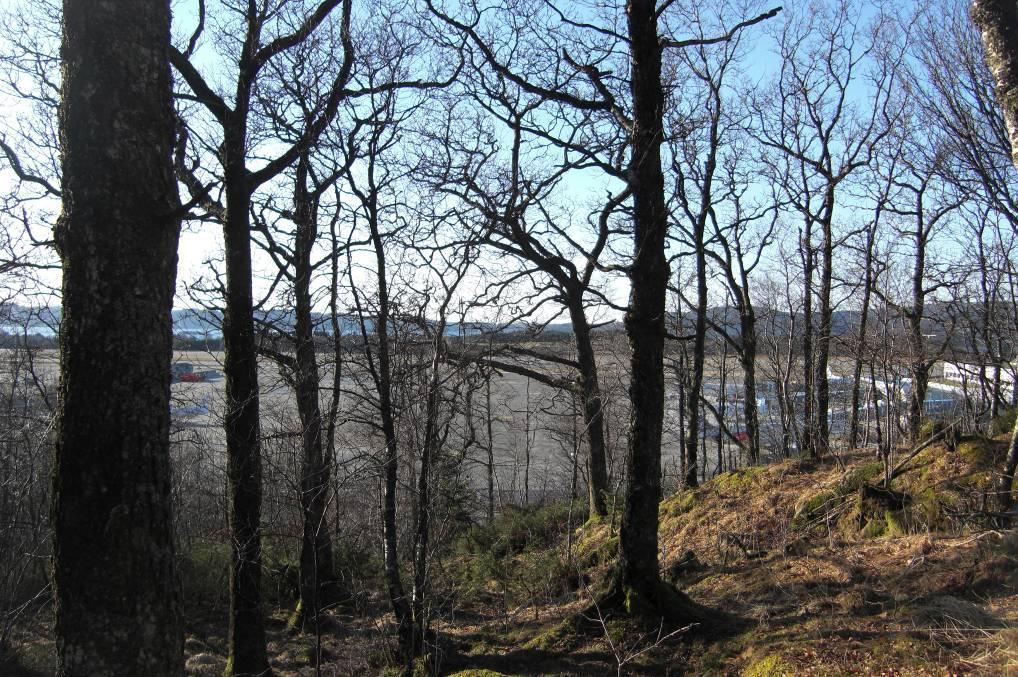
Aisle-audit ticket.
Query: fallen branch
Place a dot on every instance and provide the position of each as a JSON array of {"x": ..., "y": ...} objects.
[{"x": 899, "y": 468}]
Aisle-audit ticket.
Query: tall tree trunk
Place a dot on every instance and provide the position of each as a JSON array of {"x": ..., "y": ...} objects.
[
  {"x": 721, "y": 411},
  {"x": 117, "y": 602},
  {"x": 919, "y": 367},
  {"x": 680, "y": 377},
  {"x": 822, "y": 431},
  {"x": 337, "y": 366},
  {"x": 695, "y": 392},
  {"x": 864, "y": 313},
  {"x": 316, "y": 572},
  {"x": 997, "y": 21},
  {"x": 527, "y": 440},
  {"x": 593, "y": 419},
  {"x": 490, "y": 441},
  {"x": 383, "y": 381},
  {"x": 243, "y": 430},
  {"x": 644, "y": 321},
  {"x": 747, "y": 356},
  {"x": 422, "y": 531},
  {"x": 636, "y": 584},
  {"x": 808, "y": 445}
]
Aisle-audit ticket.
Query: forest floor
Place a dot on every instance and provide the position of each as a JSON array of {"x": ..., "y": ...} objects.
[{"x": 816, "y": 574}]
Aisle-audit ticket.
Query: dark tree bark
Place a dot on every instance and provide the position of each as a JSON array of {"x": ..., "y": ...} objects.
[
  {"x": 378, "y": 361},
  {"x": 240, "y": 366},
  {"x": 242, "y": 424},
  {"x": 316, "y": 570},
  {"x": 861, "y": 338},
  {"x": 117, "y": 607},
  {"x": 636, "y": 583},
  {"x": 317, "y": 582},
  {"x": 808, "y": 437},
  {"x": 645, "y": 319},
  {"x": 695, "y": 393},
  {"x": 821, "y": 424},
  {"x": 747, "y": 360},
  {"x": 489, "y": 437},
  {"x": 593, "y": 410}
]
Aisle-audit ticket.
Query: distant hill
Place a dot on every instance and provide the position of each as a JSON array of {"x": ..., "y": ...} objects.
[{"x": 195, "y": 324}]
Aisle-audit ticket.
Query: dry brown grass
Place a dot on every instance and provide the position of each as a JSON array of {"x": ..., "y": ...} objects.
[
  {"x": 816, "y": 596},
  {"x": 821, "y": 596}
]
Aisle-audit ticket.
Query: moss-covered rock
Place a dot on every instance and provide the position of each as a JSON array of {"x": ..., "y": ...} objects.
[
  {"x": 875, "y": 527},
  {"x": 897, "y": 522},
  {"x": 737, "y": 481},
  {"x": 830, "y": 499},
  {"x": 977, "y": 453},
  {"x": 815, "y": 507},
  {"x": 860, "y": 475},
  {"x": 596, "y": 549},
  {"x": 679, "y": 503},
  {"x": 552, "y": 637}
]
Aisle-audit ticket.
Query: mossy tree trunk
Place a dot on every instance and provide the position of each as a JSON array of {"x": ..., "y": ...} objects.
[
  {"x": 117, "y": 606},
  {"x": 747, "y": 356},
  {"x": 637, "y": 568},
  {"x": 636, "y": 585}
]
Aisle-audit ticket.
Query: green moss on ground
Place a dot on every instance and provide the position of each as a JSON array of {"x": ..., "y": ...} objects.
[
  {"x": 553, "y": 637},
  {"x": 815, "y": 507},
  {"x": 738, "y": 481},
  {"x": 771, "y": 665},
  {"x": 860, "y": 475},
  {"x": 679, "y": 503},
  {"x": 978, "y": 453}
]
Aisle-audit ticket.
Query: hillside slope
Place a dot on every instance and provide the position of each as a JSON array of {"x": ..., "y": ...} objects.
[
  {"x": 813, "y": 569},
  {"x": 822, "y": 577}
]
